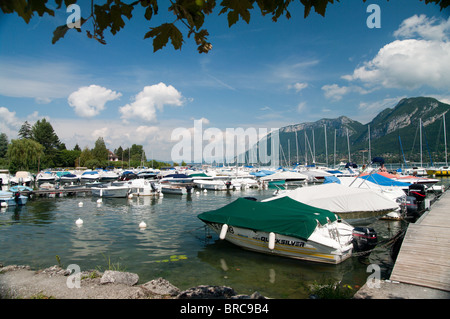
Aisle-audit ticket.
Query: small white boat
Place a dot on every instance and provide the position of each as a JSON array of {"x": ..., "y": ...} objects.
[
  {"x": 286, "y": 228},
  {"x": 108, "y": 176},
  {"x": 110, "y": 191},
  {"x": 416, "y": 171},
  {"x": 143, "y": 187},
  {"x": 22, "y": 178},
  {"x": 46, "y": 177},
  {"x": 90, "y": 176},
  {"x": 215, "y": 185},
  {"x": 173, "y": 189},
  {"x": 68, "y": 177},
  {"x": 5, "y": 176},
  {"x": 12, "y": 199}
]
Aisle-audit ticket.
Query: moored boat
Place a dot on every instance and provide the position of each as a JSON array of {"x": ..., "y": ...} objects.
[
  {"x": 283, "y": 227},
  {"x": 110, "y": 191},
  {"x": 12, "y": 199}
]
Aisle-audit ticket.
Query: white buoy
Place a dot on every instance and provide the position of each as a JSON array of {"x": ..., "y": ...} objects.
[
  {"x": 80, "y": 204},
  {"x": 130, "y": 196},
  {"x": 4, "y": 204},
  {"x": 205, "y": 191},
  {"x": 99, "y": 201},
  {"x": 197, "y": 193},
  {"x": 272, "y": 241},
  {"x": 142, "y": 225},
  {"x": 223, "y": 232},
  {"x": 79, "y": 221}
]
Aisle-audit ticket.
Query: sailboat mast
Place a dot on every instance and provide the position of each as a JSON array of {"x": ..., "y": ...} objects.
[
  {"x": 326, "y": 144},
  {"x": 370, "y": 152},
  {"x": 334, "y": 161},
  {"x": 445, "y": 140},
  {"x": 420, "y": 131},
  {"x": 348, "y": 145}
]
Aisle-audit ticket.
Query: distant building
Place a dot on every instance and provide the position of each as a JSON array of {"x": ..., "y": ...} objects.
[{"x": 112, "y": 157}]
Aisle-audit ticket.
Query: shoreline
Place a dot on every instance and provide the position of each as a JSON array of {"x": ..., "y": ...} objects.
[{"x": 22, "y": 282}]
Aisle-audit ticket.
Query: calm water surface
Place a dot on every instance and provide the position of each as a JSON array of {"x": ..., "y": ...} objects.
[{"x": 174, "y": 245}]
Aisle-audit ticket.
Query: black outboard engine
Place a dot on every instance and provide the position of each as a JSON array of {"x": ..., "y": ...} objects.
[
  {"x": 411, "y": 206},
  {"x": 228, "y": 185},
  {"x": 418, "y": 191},
  {"x": 364, "y": 239},
  {"x": 17, "y": 197}
]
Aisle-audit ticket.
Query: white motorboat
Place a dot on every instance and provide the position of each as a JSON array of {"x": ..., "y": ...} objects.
[
  {"x": 90, "y": 176},
  {"x": 284, "y": 176},
  {"x": 285, "y": 227},
  {"x": 23, "y": 178},
  {"x": 68, "y": 177},
  {"x": 5, "y": 177},
  {"x": 143, "y": 187},
  {"x": 12, "y": 199},
  {"x": 108, "y": 176},
  {"x": 348, "y": 202},
  {"x": 110, "y": 191},
  {"x": 215, "y": 185},
  {"x": 46, "y": 177},
  {"x": 173, "y": 189}
]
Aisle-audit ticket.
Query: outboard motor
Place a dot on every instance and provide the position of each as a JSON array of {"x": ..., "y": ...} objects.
[
  {"x": 228, "y": 185},
  {"x": 17, "y": 197},
  {"x": 418, "y": 191},
  {"x": 364, "y": 239},
  {"x": 411, "y": 206}
]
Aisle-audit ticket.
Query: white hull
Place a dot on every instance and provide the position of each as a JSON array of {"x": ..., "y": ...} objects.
[
  {"x": 175, "y": 190},
  {"x": 291, "y": 247},
  {"x": 211, "y": 185},
  {"x": 110, "y": 191}
]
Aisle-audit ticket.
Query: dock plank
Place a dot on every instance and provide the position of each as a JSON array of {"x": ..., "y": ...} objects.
[{"x": 423, "y": 257}]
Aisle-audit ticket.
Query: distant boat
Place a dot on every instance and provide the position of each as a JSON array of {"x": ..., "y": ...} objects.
[
  {"x": 46, "y": 177},
  {"x": 215, "y": 185},
  {"x": 110, "y": 191},
  {"x": 68, "y": 177},
  {"x": 89, "y": 176},
  {"x": 142, "y": 187},
  {"x": 22, "y": 178},
  {"x": 5, "y": 177},
  {"x": 12, "y": 199},
  {"x": 173, "y": 189}
]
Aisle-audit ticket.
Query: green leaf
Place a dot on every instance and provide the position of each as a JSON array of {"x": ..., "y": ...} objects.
[
  {"x": 237, "y": 8},
  {"x": 59, "y": 33},
  {"x": 162, "y": 34}
]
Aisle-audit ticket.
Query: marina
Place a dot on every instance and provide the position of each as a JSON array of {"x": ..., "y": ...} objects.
[{"x": 147, "y": 234}]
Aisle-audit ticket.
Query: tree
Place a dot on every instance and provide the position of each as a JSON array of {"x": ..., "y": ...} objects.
[
  {"x": 119, "y": 152},
  {"x": 3, "y": 145},
  {"x": 100, "y": 152},
  {"x": 77, "y": 148},
  {"x": 24, "y": 154},
  {"x": 25, "y": 130},
  {"x": 43, "y": 133},
  {"x": 85, "y": 156},
  {"x": 190, "y": 14}
]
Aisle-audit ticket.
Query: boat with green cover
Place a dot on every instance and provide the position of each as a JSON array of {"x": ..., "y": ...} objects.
[{"x": 283, "y": 227}]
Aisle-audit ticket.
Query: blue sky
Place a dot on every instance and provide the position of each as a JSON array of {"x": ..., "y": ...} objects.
[{"x": 260, "y": 75}]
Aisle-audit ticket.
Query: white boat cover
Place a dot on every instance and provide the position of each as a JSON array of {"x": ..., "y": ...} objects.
[
  {"x": 284, "y": 176},
  {"x": 340, "y": 199}
]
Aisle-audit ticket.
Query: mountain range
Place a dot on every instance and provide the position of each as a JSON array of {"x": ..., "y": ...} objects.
[{"x": 394, "y": 135}]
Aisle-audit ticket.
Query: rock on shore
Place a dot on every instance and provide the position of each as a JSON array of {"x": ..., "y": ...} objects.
[{"x": 55, "y": 282}]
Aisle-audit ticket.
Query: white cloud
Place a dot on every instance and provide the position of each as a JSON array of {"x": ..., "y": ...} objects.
[
  {"x": 424, "y": 27},
  {"x": 298, "y": 86},
  {"x": 150, "y": 99},
  {"x": 411, "y": 63},
  {"x": 89, "y": 101},
  {"x": 43, "y": 81},
  {"x": 334, "y": 91},
  {"x": 301, "y": 107}
]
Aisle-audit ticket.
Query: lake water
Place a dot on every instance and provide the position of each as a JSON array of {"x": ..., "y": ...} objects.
[{"x": 175, "y": 245}]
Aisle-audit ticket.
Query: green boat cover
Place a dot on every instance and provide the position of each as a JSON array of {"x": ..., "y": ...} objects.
[{"x": 283, "y": 216}]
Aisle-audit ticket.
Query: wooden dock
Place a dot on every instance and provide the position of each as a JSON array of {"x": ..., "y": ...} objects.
[{"x": 424, "y": 256}]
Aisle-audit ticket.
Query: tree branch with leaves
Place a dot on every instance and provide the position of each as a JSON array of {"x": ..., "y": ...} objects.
[{"x": 189, "y": 14}]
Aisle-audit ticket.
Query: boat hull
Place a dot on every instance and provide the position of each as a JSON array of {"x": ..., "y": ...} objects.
[
  {"x": 112, "y": 191},
  {"x": 285, "y": 246}
]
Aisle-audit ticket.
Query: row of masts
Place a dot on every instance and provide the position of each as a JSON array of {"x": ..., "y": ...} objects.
[{"x": 313, "y": 150}]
